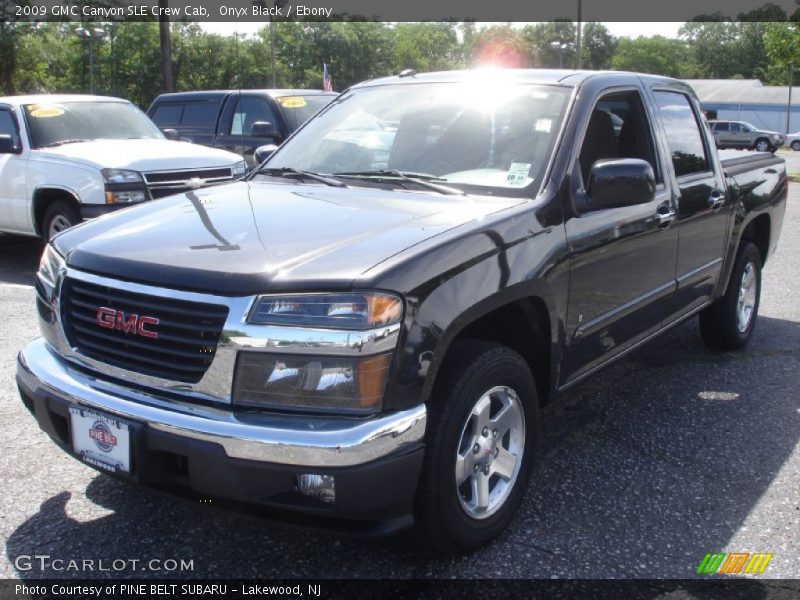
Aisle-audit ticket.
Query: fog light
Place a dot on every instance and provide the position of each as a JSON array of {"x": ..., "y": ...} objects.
[{"x": 320, "y": 487}]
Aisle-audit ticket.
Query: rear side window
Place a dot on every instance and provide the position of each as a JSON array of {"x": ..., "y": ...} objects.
[
  {"x": 683, "y": 133},
  {"x": 167, "y": 114},
  {"x": 200, "y": 113}
]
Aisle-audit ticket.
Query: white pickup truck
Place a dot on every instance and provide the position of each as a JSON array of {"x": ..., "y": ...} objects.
[{"x": 64, "y": 158}]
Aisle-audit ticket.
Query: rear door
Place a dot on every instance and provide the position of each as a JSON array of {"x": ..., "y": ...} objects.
[
  {"x": 241, "y": 112},
  {"x": 704, "y": 211},
  {"x": 622, "y": 259},
  {"x": 194, "y": 120}
]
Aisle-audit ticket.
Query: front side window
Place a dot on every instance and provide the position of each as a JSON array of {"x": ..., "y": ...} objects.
[
  {"x": 248, "y": 112},
  {"x": 497, "y": 134},
  {"x": 52, "y": 124},
  {"x": 8, "y": 126},
  {"x": 721, "y": 126},
  {"x": 683, "y": 133}
]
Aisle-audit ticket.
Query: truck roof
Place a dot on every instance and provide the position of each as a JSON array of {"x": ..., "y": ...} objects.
[
  {"x": 568, "y": 77},
  {"x": 215, "y": 94},
  {"x": 49, "y": 98}
]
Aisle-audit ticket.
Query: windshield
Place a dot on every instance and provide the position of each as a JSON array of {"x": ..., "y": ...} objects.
[
  {"x": 64, "y": 122},
  {"x": 299, "y": 109},
  {"x": 489, "y": 135}
]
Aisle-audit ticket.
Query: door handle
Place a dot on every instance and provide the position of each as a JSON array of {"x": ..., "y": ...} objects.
[
  {"x": 664, "y": 219},
  {"x": 716, "y": 200}
]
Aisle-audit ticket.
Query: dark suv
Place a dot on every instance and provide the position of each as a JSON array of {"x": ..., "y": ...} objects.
[{"x": 239, "y": 121}]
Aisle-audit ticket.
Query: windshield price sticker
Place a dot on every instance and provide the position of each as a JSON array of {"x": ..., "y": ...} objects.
[
  {"x": 518, "y": 174},
  {"x": 292, "y": 102},
  {"x": 44, "y": 112}
]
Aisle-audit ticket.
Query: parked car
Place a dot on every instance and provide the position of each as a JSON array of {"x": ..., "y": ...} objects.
[
  {"x": 738, "y": 134},
  {"x": 793, "y": 140},
  {"x": 362, "y": 334},
  {"x": 65, "y": 158},
  {"x": 238, "y": 121}
]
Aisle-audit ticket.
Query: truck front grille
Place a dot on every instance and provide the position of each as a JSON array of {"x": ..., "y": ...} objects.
[
  {"x": 167, "y": 183},
  {"x": 106, "y": 324}
]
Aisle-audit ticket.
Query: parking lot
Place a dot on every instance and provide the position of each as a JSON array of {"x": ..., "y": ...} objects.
[{"x": 672, "y": 453}]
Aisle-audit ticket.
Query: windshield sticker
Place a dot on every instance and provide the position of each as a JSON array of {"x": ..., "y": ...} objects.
[
  {"x": 292, "y": 102},
  {"x": 44, "y": 112},
  {"x": 543, "y": 125},
  {"x": 518, "y": 174}
]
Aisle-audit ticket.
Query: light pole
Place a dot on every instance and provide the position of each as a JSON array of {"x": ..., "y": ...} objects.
[
  {"x": 561, "y": 47},
  {"x": 789, "y": 103},
  {"x": 90, "y": 35}
]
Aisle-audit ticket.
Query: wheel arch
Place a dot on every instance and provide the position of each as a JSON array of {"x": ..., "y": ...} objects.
[
  {"x": 525, "y": 322},
  {"x": 44, "y": 197}
]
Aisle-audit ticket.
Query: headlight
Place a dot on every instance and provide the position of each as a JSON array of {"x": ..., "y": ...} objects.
[
  {"x": 329, "y": 383},
  {"x": 239, "y": 169},
  {"x": 340, "y": 311},
  {"x": 51, "y": 264},
  {"x": 125, "y": 196},
  {"x": 121, "y": 176}
]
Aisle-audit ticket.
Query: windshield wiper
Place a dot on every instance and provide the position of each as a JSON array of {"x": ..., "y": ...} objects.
[
  {"x": 300, "y": 174},
  {"x": 62, "y": 142},
  {"x": 422, "y": 179}
]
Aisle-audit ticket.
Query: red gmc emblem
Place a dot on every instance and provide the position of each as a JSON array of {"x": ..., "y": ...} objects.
[{"x": 110, "y": 318}]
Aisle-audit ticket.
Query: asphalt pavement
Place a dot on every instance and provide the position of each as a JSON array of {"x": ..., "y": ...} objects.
[{"x": 672, "y": 453}]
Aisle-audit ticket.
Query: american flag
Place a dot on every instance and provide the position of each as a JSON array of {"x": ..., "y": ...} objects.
[{"x": 327, "y": 84}]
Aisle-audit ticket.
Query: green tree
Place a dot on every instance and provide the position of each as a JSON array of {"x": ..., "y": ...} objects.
[
  {"x": 544, "y": 41},
  {"x": 598, "y": 46},
  {"x": 656, "y": 54},
  {"x": 501, "y": 45}
]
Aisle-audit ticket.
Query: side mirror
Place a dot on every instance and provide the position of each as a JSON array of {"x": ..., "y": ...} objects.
[
  {"x": 7, "y": 145},
  {"x": 262, "y": 153},
  {"x": 171, "y": 134},
  {"x": 622, "y": 182},
  {"x": 263, "y": 129}
]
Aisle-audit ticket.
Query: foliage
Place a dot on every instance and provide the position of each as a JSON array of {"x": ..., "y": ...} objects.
[{"x": 50, "y": 57}]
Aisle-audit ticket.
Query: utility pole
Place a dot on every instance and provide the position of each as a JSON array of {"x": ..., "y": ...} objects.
[
  {"x": 789, "y": 103},
  {"x": 580, "y": 28},
  {"x": 168, "y": 84},
  {"x": 91, "y": 35}
]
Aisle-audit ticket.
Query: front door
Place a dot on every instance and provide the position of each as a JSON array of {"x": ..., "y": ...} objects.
[
  {"x": 623, "y": 259},
  {"x": 15, "y": 212}
]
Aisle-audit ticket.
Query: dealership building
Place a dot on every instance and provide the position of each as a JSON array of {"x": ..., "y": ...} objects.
[{"x": 764, "y": 106}]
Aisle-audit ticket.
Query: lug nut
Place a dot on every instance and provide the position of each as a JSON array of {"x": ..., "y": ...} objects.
[
  {"x": 486, "y": 470},
  {"x": 485, "y": 432},
  {"x": 477, "y": 468},
  {"x": 494, "y": 433},
  {"x": 476, "y": 448}
]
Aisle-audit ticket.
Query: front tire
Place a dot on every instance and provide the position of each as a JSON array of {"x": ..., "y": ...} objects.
[
  {"x": 762, "y": 145},
  {"x": 59, "y": 216},
  {"x": 482, "y": 439},
  {"x": 729, "y": 322},
  {"x": 796, "y": 145}
]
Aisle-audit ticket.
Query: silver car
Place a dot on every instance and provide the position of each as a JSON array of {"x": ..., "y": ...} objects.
[{"x": 740, "y": 134}]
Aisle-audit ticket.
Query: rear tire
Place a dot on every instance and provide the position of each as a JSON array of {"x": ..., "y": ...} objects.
[
  {"x": 729, "y": 322},
  {"x": 481, "y": 444},
  {"x": 796, "y": 145},
  {"x": 59, "y": 216}
]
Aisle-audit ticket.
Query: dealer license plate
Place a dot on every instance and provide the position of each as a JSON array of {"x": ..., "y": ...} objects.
[{"x": 101, "y": 440}]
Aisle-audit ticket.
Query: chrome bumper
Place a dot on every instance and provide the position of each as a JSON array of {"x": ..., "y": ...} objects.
[{"x": 281, "y": 439}]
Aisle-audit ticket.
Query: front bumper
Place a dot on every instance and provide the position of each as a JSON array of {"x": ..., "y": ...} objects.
[{"x": 243, "y": 458}]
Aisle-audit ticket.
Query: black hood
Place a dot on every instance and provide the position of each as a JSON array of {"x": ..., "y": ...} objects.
[{"x": 247, "y": 238}]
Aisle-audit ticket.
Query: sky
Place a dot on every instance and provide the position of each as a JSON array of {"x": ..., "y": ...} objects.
[{"x": 618, "y": 29}]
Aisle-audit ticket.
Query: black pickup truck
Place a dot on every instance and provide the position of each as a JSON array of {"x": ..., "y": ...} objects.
[
  {"x": 236, "y": 120},
  {"x": 362, "y": 334}
]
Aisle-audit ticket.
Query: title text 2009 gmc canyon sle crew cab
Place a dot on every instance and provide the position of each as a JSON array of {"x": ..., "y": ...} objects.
[{"x": 364, "y": 332}]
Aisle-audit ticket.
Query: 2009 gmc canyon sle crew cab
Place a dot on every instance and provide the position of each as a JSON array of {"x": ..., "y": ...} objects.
[{"x": 362, "y": 334}]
